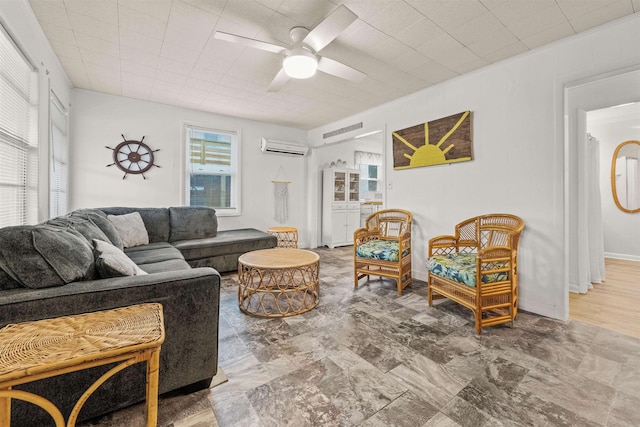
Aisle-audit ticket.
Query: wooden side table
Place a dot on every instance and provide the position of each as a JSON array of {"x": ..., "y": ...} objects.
[
  {"x": 31, "y": 351},
  {"x": 287, "y": 236}
]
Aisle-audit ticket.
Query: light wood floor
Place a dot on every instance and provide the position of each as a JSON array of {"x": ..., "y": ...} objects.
[{"x": 615, "y": 304}]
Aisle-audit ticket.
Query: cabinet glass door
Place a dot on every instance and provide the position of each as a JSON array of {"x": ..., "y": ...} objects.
[
  {"x": 354, "y": 187},
  {"x": 339, "y": 186}
]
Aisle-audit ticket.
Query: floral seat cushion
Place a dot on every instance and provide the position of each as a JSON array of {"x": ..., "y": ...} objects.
[
  {"x": 460, "y": 268},
  {"x": 384, "y": 250}
]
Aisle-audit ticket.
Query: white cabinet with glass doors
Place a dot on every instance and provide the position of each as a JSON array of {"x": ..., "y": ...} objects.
[{"x": 340, "y": 206}]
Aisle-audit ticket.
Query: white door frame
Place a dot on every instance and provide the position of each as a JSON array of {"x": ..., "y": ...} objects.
[{"x": 605, "y": 90}]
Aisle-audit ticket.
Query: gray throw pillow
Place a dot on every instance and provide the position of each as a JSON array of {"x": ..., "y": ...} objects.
[
  {"x": 83, "y": 226},
  {"x": 99, "y": 218},
  {"x": 112, "y": 262},
  {"x": 131, "y": 229},
  {"x": 41, "y": 256}
]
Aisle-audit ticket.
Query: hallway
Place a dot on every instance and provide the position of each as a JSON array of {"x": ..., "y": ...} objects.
[{"x": 615, "y": 304}]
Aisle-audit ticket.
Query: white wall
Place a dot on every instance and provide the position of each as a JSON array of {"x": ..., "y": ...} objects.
[
  {"x": 518, "y": 166},
  {"x": 18, "y": 19},
  {"x": 99, "y": 120},
  {"x": 621, "y": 230}
]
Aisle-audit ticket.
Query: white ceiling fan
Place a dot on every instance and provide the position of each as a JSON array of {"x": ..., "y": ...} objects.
[{"x": 301, "y": 59}]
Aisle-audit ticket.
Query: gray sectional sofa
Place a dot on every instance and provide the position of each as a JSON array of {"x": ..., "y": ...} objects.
[{"x": 52, "y": 269}]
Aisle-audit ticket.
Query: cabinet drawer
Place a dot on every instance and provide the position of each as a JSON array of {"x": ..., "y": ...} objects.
[
  {"x": 339, "y": 206},
  {"x": 354, "y": 205}
]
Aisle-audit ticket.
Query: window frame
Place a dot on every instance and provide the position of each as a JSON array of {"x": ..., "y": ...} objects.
[
  {"x": 54, "y": 102},
  {"x": 236, "y": 182},
  {"x": 365, "y": 179},
  {"x": 22, "y": 209}
]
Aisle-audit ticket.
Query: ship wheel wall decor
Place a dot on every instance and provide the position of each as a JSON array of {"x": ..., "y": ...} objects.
[{"x": 131, "y": 156}]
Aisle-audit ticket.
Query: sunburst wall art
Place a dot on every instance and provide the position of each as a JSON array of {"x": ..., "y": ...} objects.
[{"x": 441, "y": 141}]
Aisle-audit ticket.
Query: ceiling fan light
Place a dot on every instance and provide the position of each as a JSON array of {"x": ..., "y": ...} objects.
[{"x": 300, "y": 64}]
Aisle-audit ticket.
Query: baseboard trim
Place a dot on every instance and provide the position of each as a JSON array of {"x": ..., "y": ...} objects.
[{"x": 622, "y": 256}]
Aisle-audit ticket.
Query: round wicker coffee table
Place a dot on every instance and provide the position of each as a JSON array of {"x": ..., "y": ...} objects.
[{"x": 278, "y": 282}]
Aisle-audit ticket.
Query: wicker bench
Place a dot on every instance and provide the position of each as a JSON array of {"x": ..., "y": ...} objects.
[{"x": 477, "y": 268}]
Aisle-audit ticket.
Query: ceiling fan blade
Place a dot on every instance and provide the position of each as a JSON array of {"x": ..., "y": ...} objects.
[
  {"x": 338, "y": 69},
  {"x": 330, "y": 28},
  {"x": 279, "y": 80},
  {"x": 256, "y": 44}
]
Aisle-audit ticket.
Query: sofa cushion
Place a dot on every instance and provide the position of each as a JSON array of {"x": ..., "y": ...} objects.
[
  {"x": 383, "y": 250},
  {"x": 156, "y": 220},
  {"x": 84, "y": 226},
  {"x": 226, "y": 242},
  {"x": 41, "y": 256},
  {"x": 460, "y": 268},
  {"x": 99, "y": 218},
  {"x": 150, "y": 246},
  {"x": 131, "y": 229},
  {"x": 152, "y": 255},
  {"x": 221, "y": 263},
  {"x": 112, "y": 262},
  {"x": 168, "y": 265},
  {"x": 191, "y": 222},
  {"x": 7, "y": 282}
]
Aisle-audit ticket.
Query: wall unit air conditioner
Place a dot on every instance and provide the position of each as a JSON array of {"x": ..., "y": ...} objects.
[{"x": 281, "y": 147}]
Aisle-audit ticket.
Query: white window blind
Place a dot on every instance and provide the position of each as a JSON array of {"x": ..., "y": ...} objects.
[
  {"x": 18, "y": 136},
  {"x": 366, "y": 158},
  {"x": 58, "y": 155}
]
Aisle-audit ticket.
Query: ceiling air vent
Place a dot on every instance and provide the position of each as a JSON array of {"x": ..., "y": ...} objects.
[{"x": 342, "y": 130}]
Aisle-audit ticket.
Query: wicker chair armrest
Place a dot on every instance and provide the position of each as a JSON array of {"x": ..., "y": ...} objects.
[
  {"x": 363, "y": 235},
  {"x": 360, "y": 232},
  {"x": 442, "y": 245},
  {"x": 495, "y": 259}
]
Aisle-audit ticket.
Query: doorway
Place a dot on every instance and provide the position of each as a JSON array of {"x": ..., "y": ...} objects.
[
  {"x": 597, "y": 93},
  {"x": 351, "y": 154}
]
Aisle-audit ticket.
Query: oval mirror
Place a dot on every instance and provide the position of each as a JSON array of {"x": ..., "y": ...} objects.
[{"x": 625, "y": 176}]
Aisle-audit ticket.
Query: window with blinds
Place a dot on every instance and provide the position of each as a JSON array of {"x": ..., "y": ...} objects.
[
  {"x": 212, "y": 165},
  {"x": 370, "y": 166},
  {"x": 18, "y": 136},
  {"x": 58, "y": 155}
]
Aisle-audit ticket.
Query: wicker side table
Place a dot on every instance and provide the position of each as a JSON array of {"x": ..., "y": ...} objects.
[
  {"x": 287, "y": 236},
  {"x": 31, "y": 351},
  {"x": 278, "y": 282}
]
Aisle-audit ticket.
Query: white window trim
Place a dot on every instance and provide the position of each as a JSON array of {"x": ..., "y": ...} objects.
[
  {"x": 54, "y": 99},
  {"x": 29, "y": 211},
  {"x": 236, "y": 150}
]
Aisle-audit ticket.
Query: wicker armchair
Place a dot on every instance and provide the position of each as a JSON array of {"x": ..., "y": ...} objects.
[
  {"x": 383, "y": 247},
  {"x": 478, "y": 267}
]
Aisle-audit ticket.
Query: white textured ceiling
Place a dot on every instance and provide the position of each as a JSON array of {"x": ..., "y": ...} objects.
[{"x": 164, "y": 50}]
